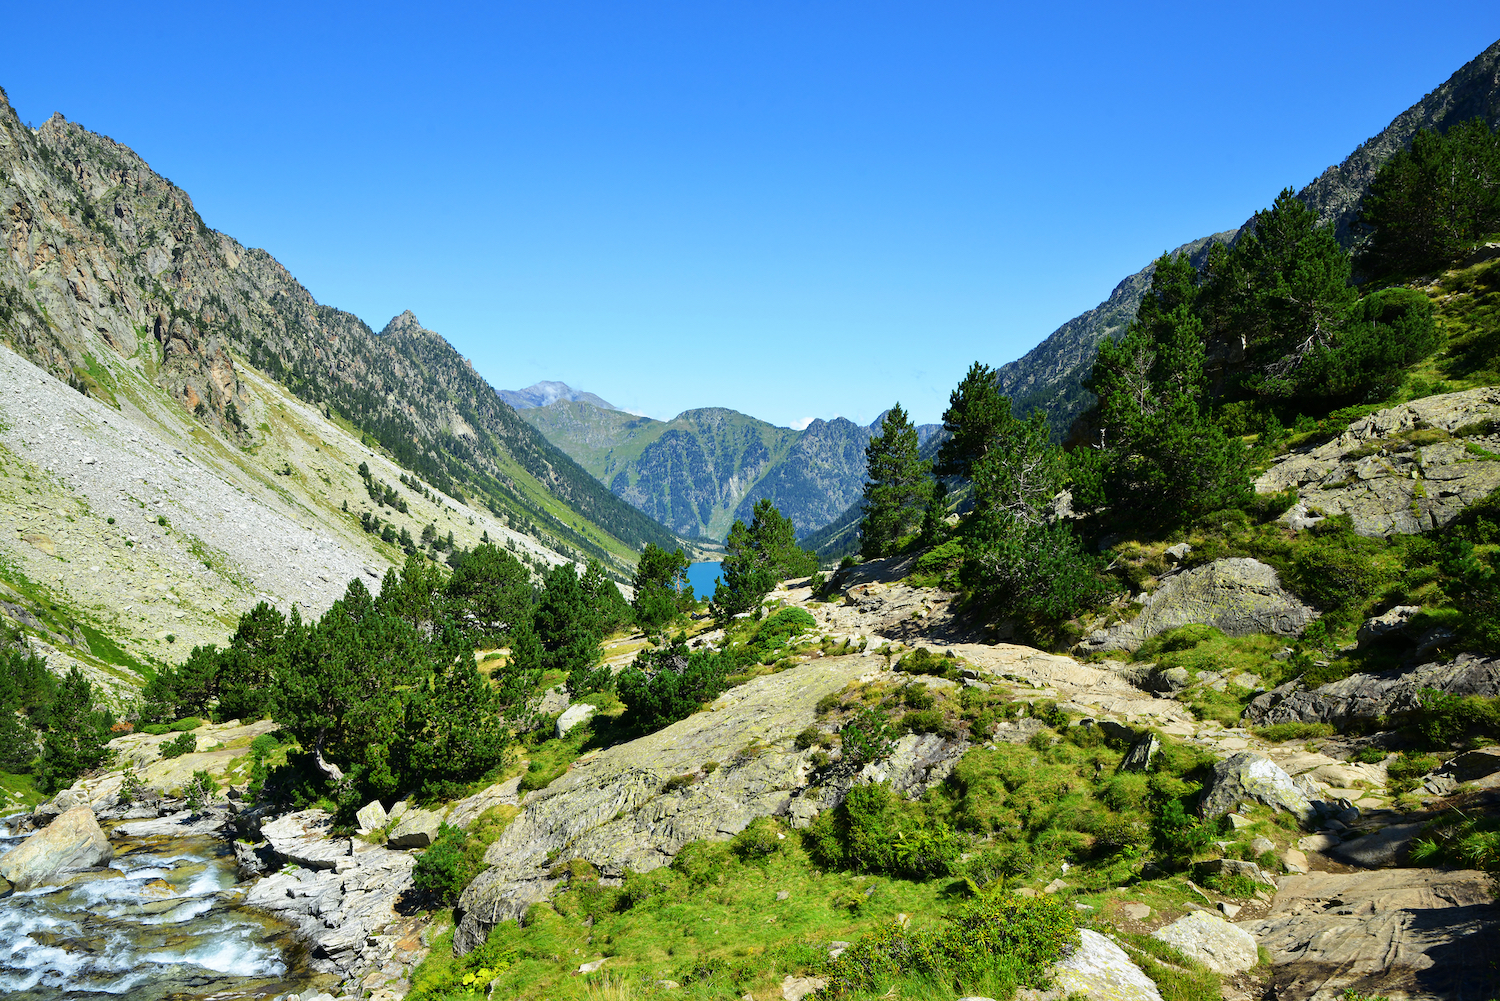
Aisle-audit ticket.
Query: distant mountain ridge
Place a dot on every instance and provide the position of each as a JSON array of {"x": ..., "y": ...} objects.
[
  {"x": 1051, "y": 374},
  {"x": 704, "y": 469},
  {"x": 543, "y": 393}
]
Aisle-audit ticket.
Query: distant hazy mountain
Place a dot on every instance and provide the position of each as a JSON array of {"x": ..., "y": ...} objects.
[
  {"x": 544, "y": 393},
  {"x": 702, "y": 470},
  {"x": 1050, "y": 375}
]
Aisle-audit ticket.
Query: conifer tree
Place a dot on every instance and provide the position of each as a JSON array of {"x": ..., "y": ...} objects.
[
  {"x": 660, "y": 577},
  {"x": 975, "y": 411},
  {"x": 1159, "y": 456},
  {"x": 756, "y": 557},
  {"x": 898, "y": 487},
  {"x": 77, "y": 734}
]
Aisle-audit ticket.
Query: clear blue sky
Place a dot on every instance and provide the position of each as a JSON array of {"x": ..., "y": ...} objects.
[{"x": 793, "y": 209}]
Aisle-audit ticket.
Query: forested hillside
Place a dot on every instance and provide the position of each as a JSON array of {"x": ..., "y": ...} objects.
[{"x": 1051, "y": 374}]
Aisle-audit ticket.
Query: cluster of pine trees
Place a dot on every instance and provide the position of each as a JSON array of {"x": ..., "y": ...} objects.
[
  {"x": 383, "y": 693},
  {"x": 49, "y": 726}
]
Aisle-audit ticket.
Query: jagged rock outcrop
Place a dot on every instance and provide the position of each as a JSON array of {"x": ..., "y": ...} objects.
[
  {"x": 72, "y": 841},
  {"x": 347, "y": 913},
  {"x": 108, "y": 274},
  {"x": 1239, "y": 596},
  {"x": 1370, "y": 696},
  {"x": 1402, "y": 470},
  {"x": 1248, "y": 776},
  {"x": 617, "y": 809},
  {"x": 1414, "y": 933}
]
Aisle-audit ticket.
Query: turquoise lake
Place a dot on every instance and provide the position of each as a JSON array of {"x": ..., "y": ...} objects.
[{"x": 703, "y": 577}]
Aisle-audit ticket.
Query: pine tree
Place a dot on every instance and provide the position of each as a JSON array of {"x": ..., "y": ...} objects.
[
  {"x": 77, "y": 734},
  {"x": 660, "y": 577},
  {"x": 1430, "y": 202},
  {"x": 489, "y": 593},
  {"x": 1283, "y": 290},
  {"x": 1159, "y": 457},
  {"x": 756, "y": 557},
  {"x": 898, "y": 487},
  {"x": 975, "y": 410}
]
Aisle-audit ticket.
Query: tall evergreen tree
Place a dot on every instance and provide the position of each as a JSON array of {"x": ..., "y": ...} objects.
[
  {"x": 756, "y": 557},
  {"x": 489, "y": 592},
  {"x": 77, "y": 735},
  {"x": 975, "y": 411},
  {"x": 1159, "y": 457},
  {"x": 567, "y": 623},
  {"x": 898, "y": 487},
  {"x": 1430, "y": 202},
  {"x": 660, "y": 578},
  {"x": 1283, "y": 291}
]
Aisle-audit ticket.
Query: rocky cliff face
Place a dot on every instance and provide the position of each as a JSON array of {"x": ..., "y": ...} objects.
[
  {"x": 704, "y": 469},
  {"x": 1050, "y": 375},
  {"x": 108, "y": 268}
]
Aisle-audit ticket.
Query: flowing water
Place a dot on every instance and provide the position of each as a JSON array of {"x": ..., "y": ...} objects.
[{"x": 164, "y": 921}]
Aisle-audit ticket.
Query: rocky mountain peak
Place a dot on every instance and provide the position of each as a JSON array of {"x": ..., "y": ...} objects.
[
  {"x": 544, "y": 394},
  {"x": 405, "y": 323}
]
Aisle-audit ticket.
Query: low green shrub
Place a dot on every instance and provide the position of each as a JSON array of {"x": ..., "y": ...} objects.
[
  {"x": 938, "y": 567},
  {"x": 1404, "y": 772},
  {"x": 155, "y": 729},
  {"x": 924, "y": 661},
  {"x": 867, "y": 736},
  {"x": 1173, "y": 640},
  {"x": 761, "y": 839},
  {"x": 262, "y": 746},
  {"x": 990, "y": 948},
  {"x": 1459, "y": 839},
  {"x": 540, "y": 776},
  {"x": 187, "y": 723},
  {"x": 1280, "y": 733},
  {"x": 200, "y": 792},
  {"x": 874, "y": 830},
  {"x": 1444, "y": 719},
  {"x": 665, "y": 685},
  {"x": 443, "y": 870},
  {"x": 186, "y": 743}
]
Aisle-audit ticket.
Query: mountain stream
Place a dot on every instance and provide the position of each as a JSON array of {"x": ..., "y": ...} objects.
[{"x": 163, "y": 921}]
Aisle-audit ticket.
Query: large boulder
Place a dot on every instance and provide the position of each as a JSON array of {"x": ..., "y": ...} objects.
[
  {"x": 1100, "y": 969},
  {"x": 416, "y": 829},
  {"x": 1371, "y": 696},
  {"x": 1212, "y": 941},
  {"x": 1238, "y": 596},
  {"x": 1471, "y": 765},
  {"x": 371, "y": 816},
  {"x": 347, "y": 917},
  {"x": 1402, "y": 470},
  {"x": 306, "y": 839},
  {"x": 72, "y": 841},
  {"x": 578, "y": 712},
  {"x": 1414, "y": 933},
  {"x": 1248, "y": 776}
]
